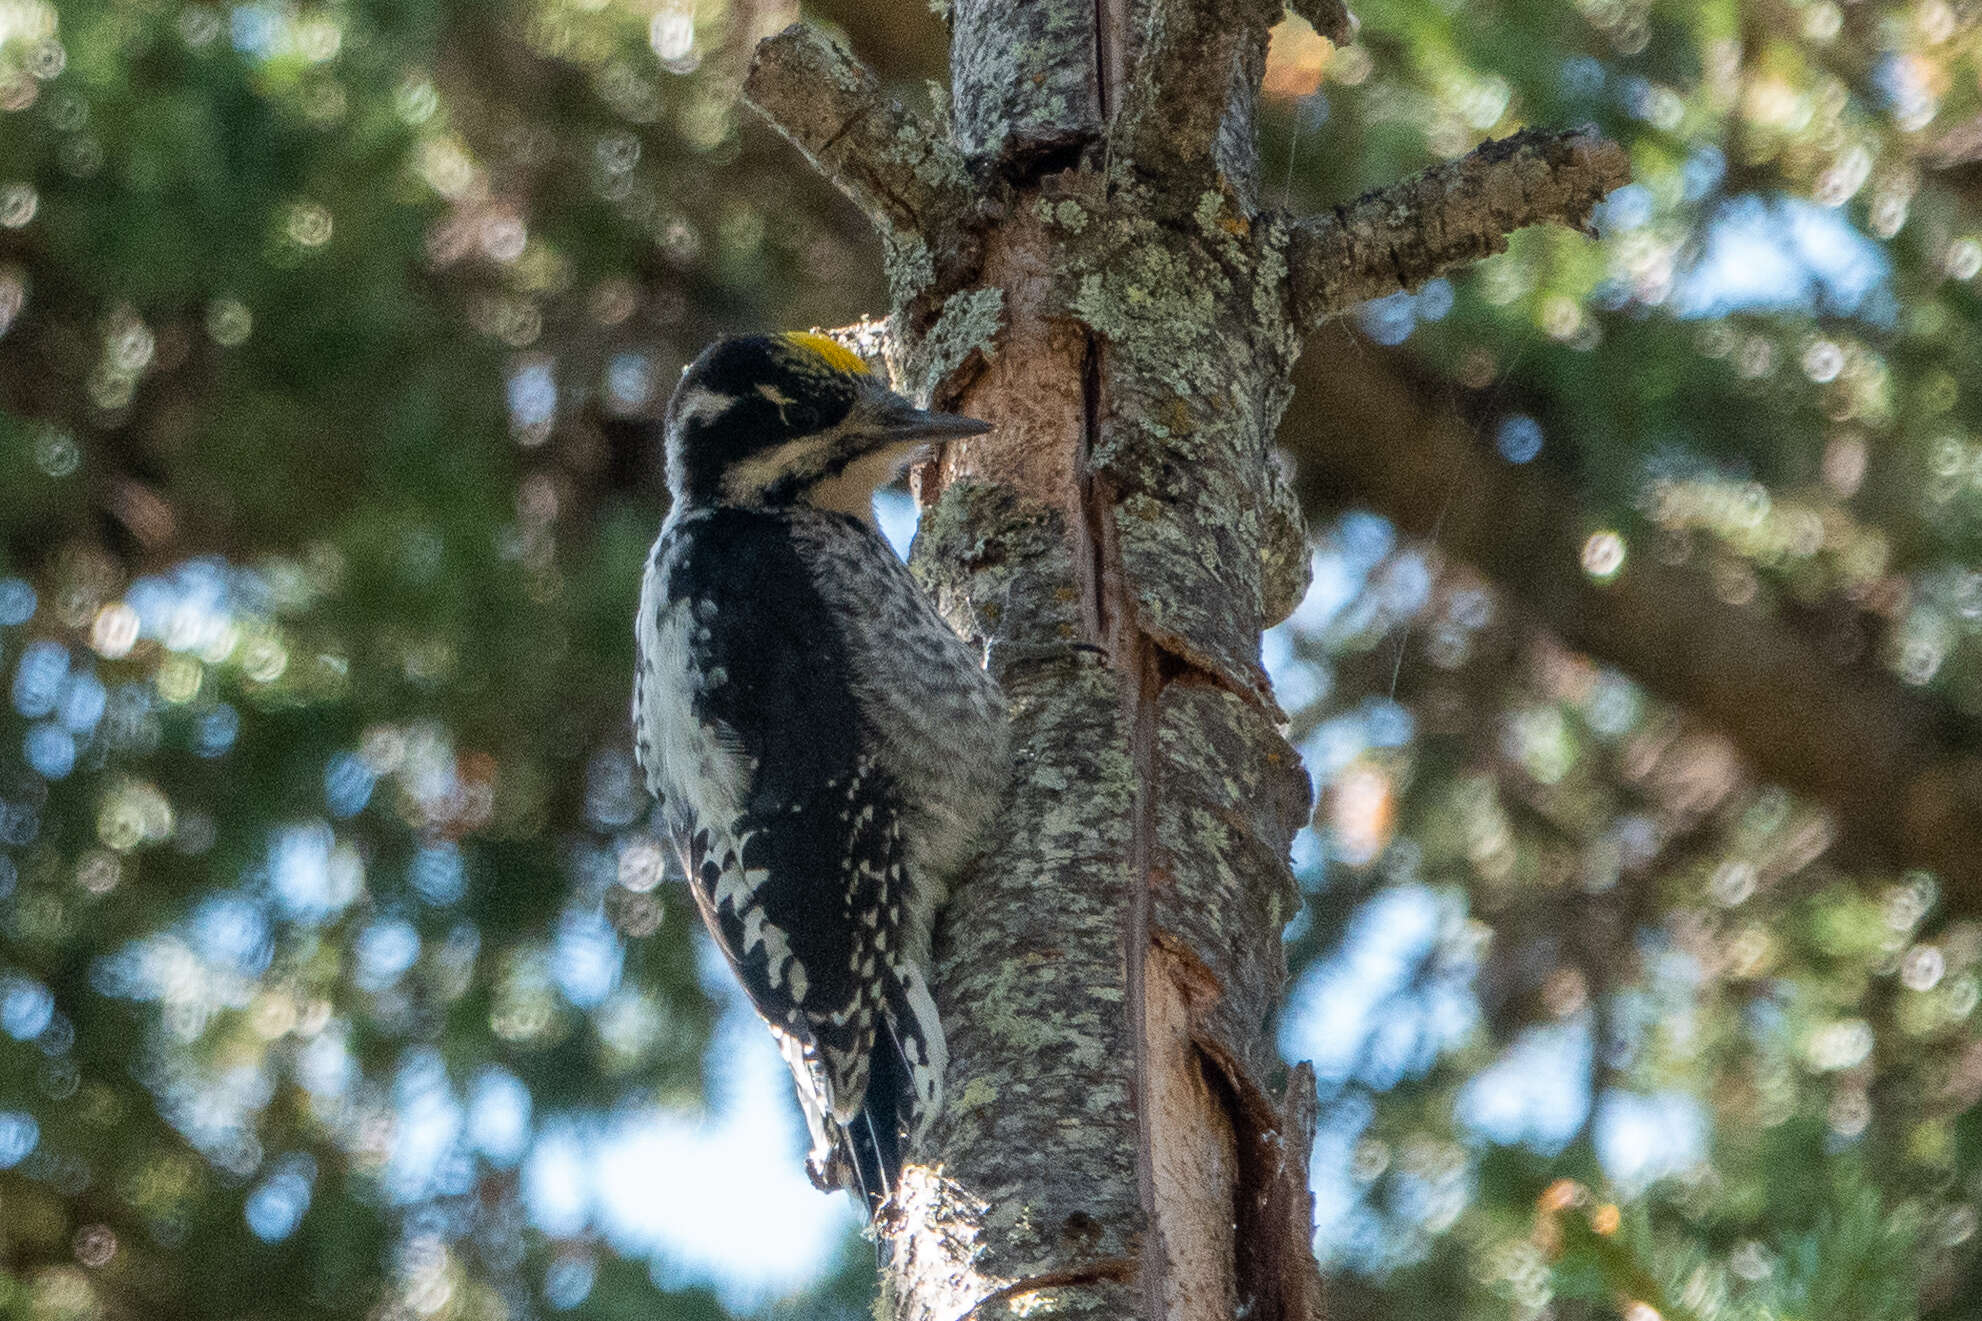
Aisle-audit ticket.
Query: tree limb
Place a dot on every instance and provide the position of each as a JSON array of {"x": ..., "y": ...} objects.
[
  {"x": 1451, "y": 214},
  {"x": 1027, "y": 81},
  {"x": 900, "y": 171},
  {"x": 1888, "y": 762}
]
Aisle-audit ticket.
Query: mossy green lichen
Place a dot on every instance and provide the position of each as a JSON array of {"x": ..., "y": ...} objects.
[
  {"x": 968, "y": 324},
  {"x": 910, "y": 265},
  {"x": 1065, "y": 214},
  {"x": 1273, "y": 316},
  {"x": 1160, "y": 310},
  {"x": 977, "y": 1093}
]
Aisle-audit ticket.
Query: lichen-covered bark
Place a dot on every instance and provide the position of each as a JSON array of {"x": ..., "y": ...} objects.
[
  {"x": 1023, "y": 83},
  {"x": 1030, "y": 977},
  {"x": 1114, "y": 1144},
  {"x": 1139, "y": 373},
  {"x": 1187, "y": 110},
  {"x": 1452, "y": 214},
  {"x": 1182, "y": 446}
]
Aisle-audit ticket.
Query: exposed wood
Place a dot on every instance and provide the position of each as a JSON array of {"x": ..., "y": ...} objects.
[{"x": 1194, "y": 1166}]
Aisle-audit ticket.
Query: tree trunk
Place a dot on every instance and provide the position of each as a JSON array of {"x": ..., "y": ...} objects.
[{"x": 1079, "y": 259}]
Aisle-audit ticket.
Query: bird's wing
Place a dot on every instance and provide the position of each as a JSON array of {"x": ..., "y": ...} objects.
[
  {"x": 806, "y": 907},
  {"x": 791, "y": 837}
]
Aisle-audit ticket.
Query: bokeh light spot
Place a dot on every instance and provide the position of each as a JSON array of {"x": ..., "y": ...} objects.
[
  {"x": 1518, "y": 438},
  {"x": 1603, "y": 555},
  {"x": 275, "y": 1208}
]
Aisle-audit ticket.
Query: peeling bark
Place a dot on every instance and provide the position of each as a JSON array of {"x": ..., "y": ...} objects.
[{"x": 1113, "y": 1145}]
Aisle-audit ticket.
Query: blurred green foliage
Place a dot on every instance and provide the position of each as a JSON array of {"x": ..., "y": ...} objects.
[
  {"x": 330, "y": 339},
  {"x": 331, "y": 333},
  {"x": 1667, "y": 1044}
]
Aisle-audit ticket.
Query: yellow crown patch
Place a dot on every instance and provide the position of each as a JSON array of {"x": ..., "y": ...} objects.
[{"x": 828, "y": 350}]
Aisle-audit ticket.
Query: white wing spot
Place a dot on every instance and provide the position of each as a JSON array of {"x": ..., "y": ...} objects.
[
  {"x": 736, "y": 886},
  {"x": 777, "y": 950}
]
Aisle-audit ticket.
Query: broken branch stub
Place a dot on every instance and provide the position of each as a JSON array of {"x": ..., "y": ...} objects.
[
  {"x": 1331, "y": 18},
  {"x": 1197, "y": 72}
]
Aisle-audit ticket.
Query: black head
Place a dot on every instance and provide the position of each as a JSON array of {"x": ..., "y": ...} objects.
[{"x": 779, "y": 419}]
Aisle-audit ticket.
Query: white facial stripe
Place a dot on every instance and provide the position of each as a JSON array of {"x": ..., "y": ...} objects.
[
  {"x": 851, "y": 490},
  {"x": 747, "y": 477},
  {"x": 702, "y": 404}
]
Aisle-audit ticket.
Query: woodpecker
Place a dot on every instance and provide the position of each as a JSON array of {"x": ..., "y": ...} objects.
[{"x": 824, "y": 748}]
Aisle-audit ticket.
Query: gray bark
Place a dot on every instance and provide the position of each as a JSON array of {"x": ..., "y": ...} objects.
[{"x": 1106, "y": 293}]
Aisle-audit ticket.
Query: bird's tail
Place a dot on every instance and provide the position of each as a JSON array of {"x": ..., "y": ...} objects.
[
  {"x": 863, "y": 1153},
  {"x": 873, "y": 1137},
  {"x": 904, "y": 1089}
]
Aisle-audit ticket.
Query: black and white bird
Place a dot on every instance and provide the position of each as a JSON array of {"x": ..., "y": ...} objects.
[{"x": 826, "y": 749}]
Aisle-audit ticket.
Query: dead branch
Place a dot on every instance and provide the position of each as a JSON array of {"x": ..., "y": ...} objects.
[
  {"x": 898, "y": 169},
  {"x": 1197, "y": 59},
  {"x": 1451, "y": 214}
]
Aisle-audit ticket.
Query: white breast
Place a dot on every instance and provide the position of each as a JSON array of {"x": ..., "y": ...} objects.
[{"x": 689, "y": 764}]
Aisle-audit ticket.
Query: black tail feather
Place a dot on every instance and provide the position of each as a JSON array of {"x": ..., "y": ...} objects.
[{"x": 874, "y": 1136}]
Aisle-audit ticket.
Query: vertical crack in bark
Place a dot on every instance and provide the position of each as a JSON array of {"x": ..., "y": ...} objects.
[
  {"x": 1111, "y": 22},
  {"x": 1141, "y": 690},
  {"x": 1108, "y": 613},
  {"x": 1071, "y": 390},
  {"x": 1093, "y": 522},
  {"x": 1185, "y": 1135},
  {"x": 1194, "y": 1275}
]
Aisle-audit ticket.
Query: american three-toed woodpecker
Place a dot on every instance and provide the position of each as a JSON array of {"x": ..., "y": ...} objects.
[{"x": 825, "y": 748}]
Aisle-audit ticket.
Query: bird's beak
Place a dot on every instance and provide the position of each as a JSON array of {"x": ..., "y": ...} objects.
[{"x": 898, "y": 422}]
